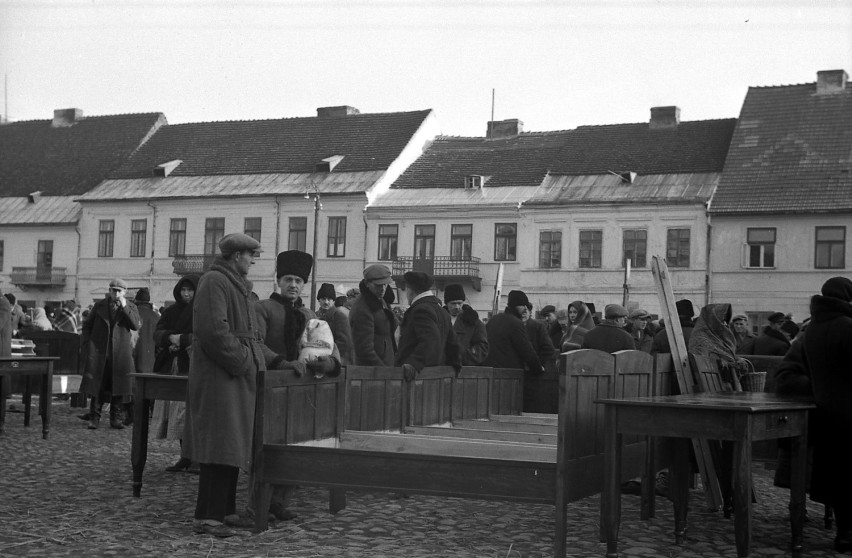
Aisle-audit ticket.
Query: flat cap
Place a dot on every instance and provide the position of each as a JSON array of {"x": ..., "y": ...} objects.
[
  {"x": 639, "y": 313},
  {"x": 118, "y": 284},
  {"x": 739, "y": 317},
  {"x": 378, "y": 273},
  {"x": 237, "y": 242},
  {"x": 776, "y": 317},
  {"x": 549, "y": 309},
  {"x": 612, "y": 311}
]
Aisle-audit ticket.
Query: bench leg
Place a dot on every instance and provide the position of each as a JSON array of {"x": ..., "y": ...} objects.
[
  {"x": 261, "y": 510},
  {"x": 336, "y": 499}
]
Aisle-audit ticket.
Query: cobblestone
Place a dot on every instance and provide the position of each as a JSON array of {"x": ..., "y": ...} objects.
[{"x": 71, "y": 495}]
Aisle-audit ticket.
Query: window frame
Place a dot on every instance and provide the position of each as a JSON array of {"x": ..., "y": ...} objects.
[
  {"x": 462, "y": 240},
  {"x": 253, "y": 231},
  {"x": 138, "y": 238},
  {"x": 297, "y": 237},
  {"x": 762, "y": 252},
  {"x": 552, "y": 259},
  {"x": 829, "y": 244},
  {"x": 592, "y": 242},
  {"x": 388, "y": 242},
  {"x": 505, "y": 245},
  {"x": 212, "y": 235},
  {"x": 2, "y": 253},
  {"x": 177, "y": 236},
  {"x": 640, "y": 240},
  {"x": 678, "y": 242},
  {"x": 336, "y": 239},
  {"x": 106, "y": 238},
  {"x": 427, "y": 241}
]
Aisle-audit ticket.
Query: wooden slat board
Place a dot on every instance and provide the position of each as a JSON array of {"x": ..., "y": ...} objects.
[
  {"x": 505, "y": 426},
  {"x": 496, "y": 434}
]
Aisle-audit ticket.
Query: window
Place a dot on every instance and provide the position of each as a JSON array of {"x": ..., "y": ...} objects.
[
  {"x": 252, "y": 227},
  {"x": 177, "y": 237},
  {"x": 505, "y": 241},
  {"x": 106, "y": 233},
  {"x": 760, "y": 247},
  {"x": 214, "y": 230},
  {"x": 336, "y": 237},
  {"x": 2, "y": 252},
  {"x": 550, "y": 249},
  {"x": 591, "y": 248},
  {"x": 677, "y": 247},
  {"x": 473, "y": 181},
  {"x": 830, "y": 248},
  {"x": 388, "y": 236},
  {"x": 44, "y": 260},
  {"x": 298, "y": 239},
  {"x": 461, "y": 240},
  {"x": 635, "y": 245},
  {"x": 138, "y": 231},
  {"x": 424, "y": 242}
]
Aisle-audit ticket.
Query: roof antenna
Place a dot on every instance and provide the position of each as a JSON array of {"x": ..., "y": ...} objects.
[{"x": 492, "y": 114}]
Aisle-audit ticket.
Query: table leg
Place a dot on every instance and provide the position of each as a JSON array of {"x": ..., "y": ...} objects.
[
  {"x": 46, "y": 401},
  {"x": 611, "y": 495},
  {"x": 679, "y": 485},
  {"x": 3, "y": 396},
  {"x": 139, "y": 449},
  {"x": 798, "y": 480},
  {"x": 27, "y": 399},
  {"x": 742, "y": 495}
]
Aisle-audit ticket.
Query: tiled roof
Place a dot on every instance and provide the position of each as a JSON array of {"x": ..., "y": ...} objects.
[
  {"x": 521, "y": 160},
  {"x": 63, "y": 161},
  {"x": 46, "y": 210},
  {"x": 691, "y": 147},
  {"x": 791, "y": 152},
  {"x": 672, "y": 188},
  {"x": 290, "y": 145}
]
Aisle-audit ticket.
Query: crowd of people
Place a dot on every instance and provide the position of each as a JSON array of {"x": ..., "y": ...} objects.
[{"x": 220, "y": 334}]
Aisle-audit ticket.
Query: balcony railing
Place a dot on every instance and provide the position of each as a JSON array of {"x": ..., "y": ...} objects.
[
  {"x": 38, "y": 276},
  {"x": 444, "y": 269},
  {"x": 192, "y": 263}
]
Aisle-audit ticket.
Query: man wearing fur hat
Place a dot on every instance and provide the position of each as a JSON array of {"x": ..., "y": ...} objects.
[
  {"x": 372, "y": 321},
  {"x": 509, "y": 346},
  {"x": 685, "y": 314},
  {"x": 609, "y": 336},
  {"x": 426, "y": 335},
  {"x": 337, "y": 320},
  {"x": 469, "y": 329},
  {"x": 106, "y": 342}
]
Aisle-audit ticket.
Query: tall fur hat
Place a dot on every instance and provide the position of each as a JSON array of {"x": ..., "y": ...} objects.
[{"x": 294, "y": 262}]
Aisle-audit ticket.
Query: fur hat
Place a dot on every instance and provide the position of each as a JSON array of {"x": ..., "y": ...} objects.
[
  {"x": 294, "y": 262},
  {"x": 420, "y": 281},
  {"x": 685, "y": 308},
  {"x": 142, "y": 295},
  {"x": 838, "y": 287},
  {"x": 517, "y": 298},
  {"x": 612, "y": 311},
  {"x": 238, "y": 242},
  {"x": 454, "y": 291},
  {"x": 326, "y": 291}
]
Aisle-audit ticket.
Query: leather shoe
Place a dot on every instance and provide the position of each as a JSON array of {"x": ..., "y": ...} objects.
[
  {"x": 94, "y": 423},
  {"x": 212, "y": 527},
  {"x": 279, "y": 512},
  {"x": 180, "y": 465}
]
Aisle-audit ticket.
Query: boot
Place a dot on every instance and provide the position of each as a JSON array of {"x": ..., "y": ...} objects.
[
  {"x": 128, "y": 414},
  {"x": 95, "y": 414},
  {"x": 115, "y": 419}
]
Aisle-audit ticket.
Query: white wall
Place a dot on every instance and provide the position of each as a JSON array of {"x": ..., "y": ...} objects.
[{"x": 20, "y": 245}]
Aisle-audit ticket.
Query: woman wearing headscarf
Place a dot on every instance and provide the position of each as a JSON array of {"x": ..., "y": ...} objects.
[
  {"x": 173, "y": 341},
  {"x": 39, "y": 321},
  {"x": 711, "y": 338},
  {"x": 579, "y": 323}
]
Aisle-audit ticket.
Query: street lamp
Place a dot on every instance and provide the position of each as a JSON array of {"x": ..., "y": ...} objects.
[{"x": 312, "y": 190}]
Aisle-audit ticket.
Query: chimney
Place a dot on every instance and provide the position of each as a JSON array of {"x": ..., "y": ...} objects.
[
  {"x": 63, "y": 118},
  {"x": 500, "y": 129},
  {"x": 831, "y": 81},
  {"x": 336, "y": 112},
  {"x": 33, "y": 197},
  {"x": 664, "y": 117}
]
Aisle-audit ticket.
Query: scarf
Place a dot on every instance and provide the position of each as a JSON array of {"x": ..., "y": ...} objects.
[{"x": 294, "y": 324}]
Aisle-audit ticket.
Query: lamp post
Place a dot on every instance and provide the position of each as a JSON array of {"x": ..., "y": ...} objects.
[{"x": 313, "y": 190}]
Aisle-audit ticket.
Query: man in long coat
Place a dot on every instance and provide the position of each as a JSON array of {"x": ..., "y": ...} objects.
[
  {"x": 226, "y": 356},
  {"x": 372, "y": 321},
  {"x": 509, "y": 346},
  {"x": 469, "y": 329},
  {"x": 427, "y": 337},
  {"x": 106, "y": 341}
]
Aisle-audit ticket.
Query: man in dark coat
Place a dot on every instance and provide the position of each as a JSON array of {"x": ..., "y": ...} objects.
[
  {"x": 143, "y": 350},
  {"x": 829, "y": 354},
  {"x": 338, "y": 322},
  {"x": 609, "y": 336},
  {"x": 372, "y": 321},
  {"x": 426, "y": 334},
  {"x": 106, "y": 342},
  {"x": 637, "y": 327},
  {"x": 508, "y": 344},
  {"x": 6, "y": 328},
  {"x": 469, "y": 329},
  {"x": 742, "y": 331},
  {"x": 538, "y": 332},
  {"x": 772, "y": 341},
  {"x": 685, "y": 314}
]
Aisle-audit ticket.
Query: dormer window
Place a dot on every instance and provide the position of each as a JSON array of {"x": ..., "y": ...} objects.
[
  {"x": 473, "y": 182},
  {"x": 165, "y": 169},
  {"x": 328, "y": 164}
]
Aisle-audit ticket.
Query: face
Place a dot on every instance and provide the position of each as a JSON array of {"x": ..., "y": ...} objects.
[
  {"x": 455, "y": 307},
  {"x": 740, "y": 326},
  {"x": 563, "y": 323},
  {"x": 116, "y": 293},
  {"x": 187, "y": 293},
  {"x": 640, "y": 323},
  {"x": 550, "y": 318},
  {"x": 326, "y": 303},
  {"x": 244, "y": 260},
  {"x": 523, "y": 312},
  {"x": 291, "y": 286},
  {"x": 378, "y": 289},
  {"x": 572, "y": 314}
]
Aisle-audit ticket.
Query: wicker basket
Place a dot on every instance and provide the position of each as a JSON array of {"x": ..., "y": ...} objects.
[{"x": 753, "y": 381}]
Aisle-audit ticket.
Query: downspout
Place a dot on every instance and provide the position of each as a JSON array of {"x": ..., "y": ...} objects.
[
  {"x": 153, "y": 245},
  {"x": 77, "y": 274},
  {"x": 277, "y": 239},
  {"x": 708, "y": 291}
]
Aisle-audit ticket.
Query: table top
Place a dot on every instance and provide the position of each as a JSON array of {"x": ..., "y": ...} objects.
[
  {"x": 741, "y": 401},
  {"x": 164, "y": 377},
  {"x": 27, "y": 357}
]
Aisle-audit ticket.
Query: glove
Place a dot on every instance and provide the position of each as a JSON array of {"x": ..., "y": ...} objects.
[
  {"x": 321, "y": 366},
  {"x": 409, "y": 372}
]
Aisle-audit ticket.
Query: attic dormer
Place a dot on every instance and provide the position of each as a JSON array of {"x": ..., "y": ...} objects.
[
  {"x": 165, "y": 169},
  {"x": 63, "y": 118},
  {"x": 328, "y": 164},
  {"x": 473, "y": 182},
  {"x": 33, "y": 197}
]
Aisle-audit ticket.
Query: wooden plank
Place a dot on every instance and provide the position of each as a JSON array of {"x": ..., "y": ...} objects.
[
  {"x": 479, "y": 424},
  {"x": 432, "y": 445},
  {"x": 471, "y": 433},
  {"x": 527, "y": 418}
]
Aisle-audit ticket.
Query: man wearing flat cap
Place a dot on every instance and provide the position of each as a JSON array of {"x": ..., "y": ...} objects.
[
  {"x": 372, "y": 321},
  {"x": 469, "y": 329},
  {"x": 108, "y": 354},
  {"x": 609, "y": 336},
  {"x": 772, "y": 341},
  {"x": 637, "y": 327},
  {"x": 509, "y": 346},
  {"x": 227, "y": 354},
  {"x": 338, "y": 321},
  {"x": 426, "y": 333},
  {"x": 741, "y": 330}
]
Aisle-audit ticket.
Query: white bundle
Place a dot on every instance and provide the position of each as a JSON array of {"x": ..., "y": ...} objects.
[{"x": 317, "y": 340}]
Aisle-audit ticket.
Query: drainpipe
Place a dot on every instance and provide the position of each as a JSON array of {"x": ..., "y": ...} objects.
[
  {"x": 708, "y": 291},
  {"x": 153, "y": 245},
  {"x": 277, "y": 240},
  {"x": 77, "y": 274}
]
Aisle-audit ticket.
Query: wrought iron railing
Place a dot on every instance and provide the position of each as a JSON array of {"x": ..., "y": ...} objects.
[
  {"x": 192, "y": 263},
  {"x": 38, "y": 276},
  {"x": 443, "y": 269}
]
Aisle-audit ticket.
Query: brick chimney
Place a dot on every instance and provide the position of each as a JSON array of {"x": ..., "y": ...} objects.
[
  {"x": 63, "y": 118},
  {"x": 500, "y": 129},
  {"x": 664, "y": 117},
  {"x": 336, "y": 112},
  {"x": 831, "y": 81}
]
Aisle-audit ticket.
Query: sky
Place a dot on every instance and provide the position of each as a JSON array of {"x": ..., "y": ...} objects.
[{"x": 552, "y": 64}]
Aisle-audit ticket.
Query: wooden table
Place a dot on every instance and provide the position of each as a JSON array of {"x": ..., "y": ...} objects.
[
  {"x": 740, "y": 417},
  {"x": 29, "y": 366},
  {"x": 148, "y": 388}
]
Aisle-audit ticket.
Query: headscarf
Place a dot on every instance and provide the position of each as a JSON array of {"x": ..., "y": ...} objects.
[
  {"x": 40, "y": 321},
  {"x": 584, "y": 316},
  {"x": 183, "y": 321},
  {"x": 711, "y": 337}
]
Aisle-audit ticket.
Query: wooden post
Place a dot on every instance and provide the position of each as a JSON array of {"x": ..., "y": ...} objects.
[{"x": 626, "y": 285}]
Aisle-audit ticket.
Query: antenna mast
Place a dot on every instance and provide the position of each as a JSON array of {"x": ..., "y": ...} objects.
[{"x": 492, "y": 114}]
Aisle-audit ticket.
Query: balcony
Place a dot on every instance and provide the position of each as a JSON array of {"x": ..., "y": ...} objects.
[
  {"x": 42, "y": 277},
  {"x": 444, "y": 269},
  {"x": 192, "y": 263}
]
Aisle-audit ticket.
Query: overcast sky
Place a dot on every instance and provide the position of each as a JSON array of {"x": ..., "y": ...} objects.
[{"x": 552, "y": 64}]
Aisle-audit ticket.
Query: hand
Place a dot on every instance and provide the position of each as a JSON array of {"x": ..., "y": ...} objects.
[
  {"x": 409, "y": 372},
  {"x": 174, "y": 339},
  {"x": 295, "y": 366},
  {"x": 321, "y": 366}
]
